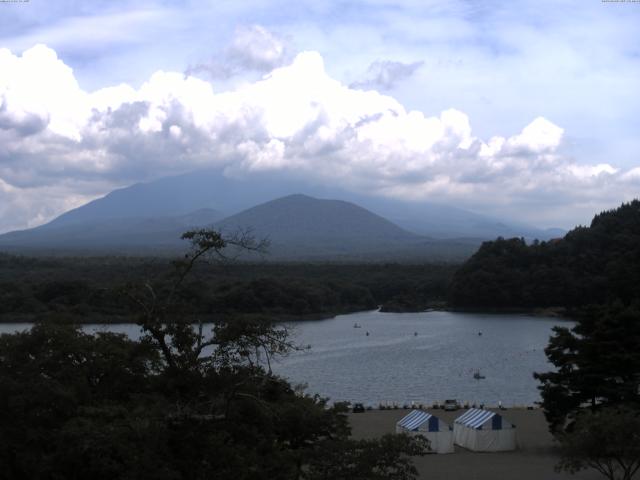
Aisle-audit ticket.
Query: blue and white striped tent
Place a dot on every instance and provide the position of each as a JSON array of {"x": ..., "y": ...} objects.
[
  {"x": 484, "y": 431},
  {"x": 439, "y": 434}
]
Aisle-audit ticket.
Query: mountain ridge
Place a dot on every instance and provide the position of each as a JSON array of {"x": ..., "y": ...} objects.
[
  {"x": 153, "y": 215},
  {"x": 181, "y": 194},
  {"x": 300, "y": 228}
]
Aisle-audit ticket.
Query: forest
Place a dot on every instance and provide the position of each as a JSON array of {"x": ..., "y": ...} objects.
[
  {"x": 94, "y": 290},
  {"x": 598, "y": 264}
]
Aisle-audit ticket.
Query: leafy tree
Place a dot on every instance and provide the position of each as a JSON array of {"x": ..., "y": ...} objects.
[
  {"x": 181, "y": 403},
  {"x": 56, "y": 380},
  {"x": 387, "y": 458},
  {"x": 597, "y": 363},
  {"x": 607, "y": 440}
]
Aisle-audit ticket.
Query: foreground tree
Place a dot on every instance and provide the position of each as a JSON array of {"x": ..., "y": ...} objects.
[
  {"x": 186, "y": 401},
  {"x": 70, "y": 398},
  {"x": 607, "y": 441},
  {"x": 597, "y": 363},
  {"x": 386, "y": 458}
]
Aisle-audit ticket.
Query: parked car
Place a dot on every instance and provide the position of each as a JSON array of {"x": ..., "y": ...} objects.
[
  {"x": 358, "y": 408},
  {"x": 451, "y": 405}
]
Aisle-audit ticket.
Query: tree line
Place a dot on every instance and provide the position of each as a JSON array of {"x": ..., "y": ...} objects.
[
  {"x": 89, "y": 290},
  {"x": 598, "y": 264}
]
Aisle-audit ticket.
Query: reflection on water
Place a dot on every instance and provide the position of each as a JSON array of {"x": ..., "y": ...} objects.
[{"x": 421, "y": 357}]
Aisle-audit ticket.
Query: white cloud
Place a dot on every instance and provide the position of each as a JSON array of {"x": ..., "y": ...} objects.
[
  {"x": 632, "y": 176},
  {"x": 257, "y": 48},
  {"x": 252, "y": 49},
  {"x": 591, "y": 171},
  {"x": 54, "y": 135},
  {"x": 539, "y": 136}
]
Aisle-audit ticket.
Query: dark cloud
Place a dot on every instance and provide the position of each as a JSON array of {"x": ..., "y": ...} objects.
[
  {"x": 385, "y": 74},
  {"x": 23, "y": 123}
]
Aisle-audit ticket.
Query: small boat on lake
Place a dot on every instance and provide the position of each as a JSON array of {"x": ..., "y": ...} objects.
[
  {"x": 478, "y": 376},
  {"x": 357, "y": 325}
]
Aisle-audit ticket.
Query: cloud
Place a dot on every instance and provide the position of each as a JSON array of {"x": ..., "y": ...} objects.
[
  {"x": 252, "y": 49},
  {"x": 256, "y": 48},
  {"x": 22, "y": 208},
  {"x": 61, "y": 145},
  {"x": 502, "y": 65},
  {"x": 385, "y": 74}
]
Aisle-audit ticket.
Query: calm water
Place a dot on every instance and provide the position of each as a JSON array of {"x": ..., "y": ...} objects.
[{"x": 393, "y": 364}]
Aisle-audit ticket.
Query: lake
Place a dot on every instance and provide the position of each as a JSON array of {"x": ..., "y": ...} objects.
[
  {"x": 392, "y": 363},
  {"x": 412, "y": 357}
]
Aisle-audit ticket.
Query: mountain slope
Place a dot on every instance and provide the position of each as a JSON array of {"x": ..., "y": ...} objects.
[
  {"x": 110, "y": 234},
  {"x": 300, "y": 225},
  {"x": 179, "y": 195}
]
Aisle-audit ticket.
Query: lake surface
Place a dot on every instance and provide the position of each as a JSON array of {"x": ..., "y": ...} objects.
[{"x": 393, "y": 364}]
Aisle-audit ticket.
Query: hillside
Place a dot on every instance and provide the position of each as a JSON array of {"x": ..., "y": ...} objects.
[
  {"x": 595, "y": 264},
  {"x": 109, "y": 234},
  {"x": 302, "y": 226}
]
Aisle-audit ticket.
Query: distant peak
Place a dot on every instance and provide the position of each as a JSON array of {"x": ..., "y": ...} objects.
[{"x": 297, "y": 196}]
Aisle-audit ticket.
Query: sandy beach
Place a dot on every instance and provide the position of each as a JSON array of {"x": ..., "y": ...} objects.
[{"x": 534, "y": 459}]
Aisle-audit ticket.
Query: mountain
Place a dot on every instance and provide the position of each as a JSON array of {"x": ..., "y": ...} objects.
[
  {"x": 149, "y": 218},
  {"x": 109, "y": 234},
  {"x": 595, "y": 264},
  {"x": 179, "y": 195},
  {"x": 302, "y": 218},
  {"x": 299, "y": 226}
]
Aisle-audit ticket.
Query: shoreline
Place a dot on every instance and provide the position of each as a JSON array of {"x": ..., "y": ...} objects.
[
  {"x": 535, "y": 458},
  {"x": 561, "y": 313},
  {"x": 553, "y": 312}
]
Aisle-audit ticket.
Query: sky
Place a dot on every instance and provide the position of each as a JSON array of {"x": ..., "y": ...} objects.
[{"x": 524, "y": 110}]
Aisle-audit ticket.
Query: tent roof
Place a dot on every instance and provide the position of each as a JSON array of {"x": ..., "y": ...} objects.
[
  {"x": 414, "y": 419},
  {"x": 475, "y": 417}
]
